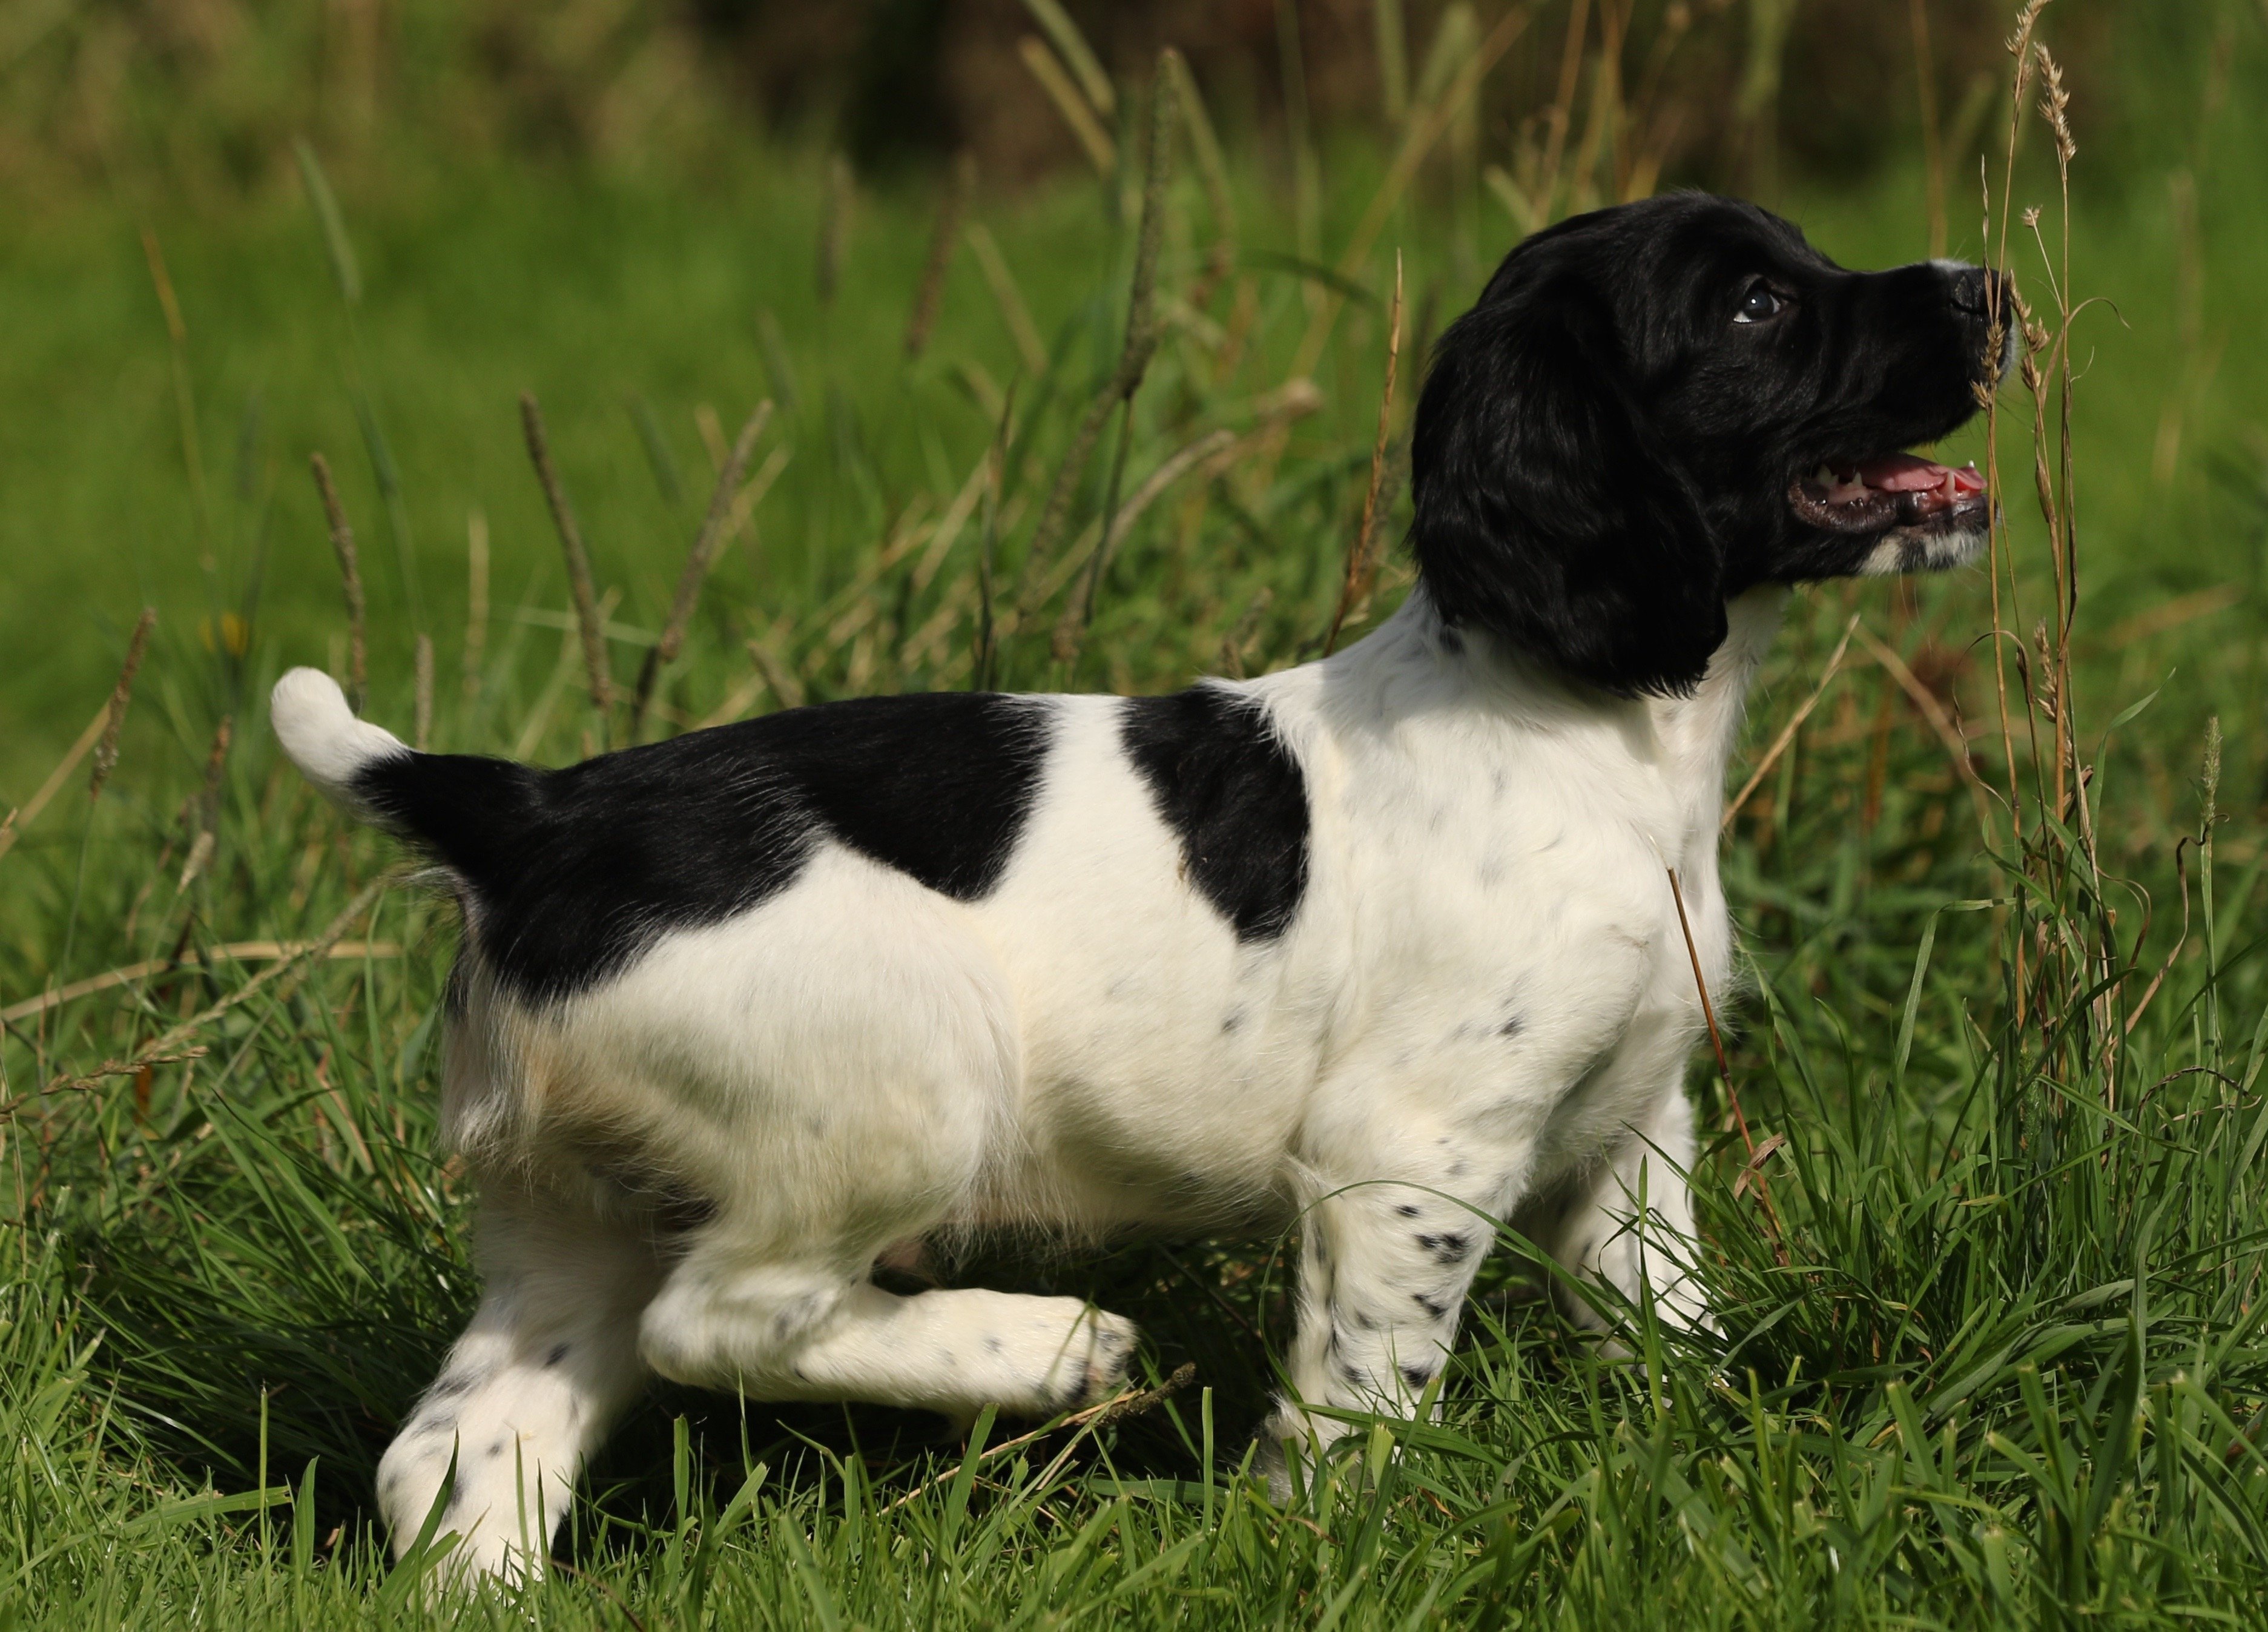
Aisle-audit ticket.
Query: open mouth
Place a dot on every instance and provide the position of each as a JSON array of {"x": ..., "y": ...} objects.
[{"x": 1892, "y": 490}]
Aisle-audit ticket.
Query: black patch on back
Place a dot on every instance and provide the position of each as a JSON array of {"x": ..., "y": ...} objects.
[
  {"x": 1230, "y": 791},
  {"x": 574, "y": 873}
]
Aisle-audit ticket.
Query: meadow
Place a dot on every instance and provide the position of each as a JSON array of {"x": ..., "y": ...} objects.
[{"x": 1986, "y": 1204}]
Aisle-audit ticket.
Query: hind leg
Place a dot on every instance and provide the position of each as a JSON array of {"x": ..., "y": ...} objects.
[
  {"x": 816, "y": 1328},
  {"x": 548, "y": 1361},
  {"x": 840, "y": 1068}
]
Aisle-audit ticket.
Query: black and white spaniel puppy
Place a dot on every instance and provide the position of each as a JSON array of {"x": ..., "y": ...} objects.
[{"x": 1383, "y": 944}]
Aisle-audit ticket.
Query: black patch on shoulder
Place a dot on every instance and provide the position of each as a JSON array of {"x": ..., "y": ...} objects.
[
  {"x": 574, "y": 873},
  {"x": 1226, "y": 784}
]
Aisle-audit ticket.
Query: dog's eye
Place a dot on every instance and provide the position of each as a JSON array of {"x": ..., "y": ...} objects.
[{"x": 1757, "y": 304}]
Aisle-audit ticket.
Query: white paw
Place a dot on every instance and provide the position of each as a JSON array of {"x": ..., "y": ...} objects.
[
  {"x": 1086, "y": 1361},
  {"x": 1110, "y": 1351}
]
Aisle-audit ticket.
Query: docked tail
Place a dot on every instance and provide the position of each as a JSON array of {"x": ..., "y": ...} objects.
[{"x": 475, "y": 814}]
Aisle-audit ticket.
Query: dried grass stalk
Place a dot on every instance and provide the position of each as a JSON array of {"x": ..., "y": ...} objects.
[
  {"x": 1234, "y": 643},
  {"x": 1093, "y": 141},
  {"x": 1933, "y": 142},
  {"x": 202, "y": 847},
  {"x": 476, "y": 598},
  {"x": 713, "y": 435},
  {"x": 1393, "y": 41},
  {"x": 595, "y": 666},
  {"x": 1787, "y": 737},
  {"x": 1141, "y": 320},
  {"x": 424, "y": 716},
  {"x": 18, "y": 820},
  {"x": 106, "y": 752},
  {"x": 1030, "y": 349},
  {"x": 185, "y": 400},
  {"x": 698, "y": 560},
  {"x": 343, "y": 546},
  {"x": 1425, "y": 131},
  {"x": 779, "y": 365},
  {"x": 1211, "y": 446},
  {"x": 929, "y": 297},
  {"x": 335, "y": 242},
  {"x": 1068, "y": 39},
  {"x": 1560, "y": 115},
  {"x": 986, "y": 651},
  {"x": 1362, "y": 557},
  {"x": 779, "y": 674},
  {"x": 835, "y": 226},
  {"x": 1204, "y": 150}
]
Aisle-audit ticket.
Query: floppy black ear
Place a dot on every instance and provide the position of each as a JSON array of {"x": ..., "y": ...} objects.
[{"x": 1547, "y": 513}]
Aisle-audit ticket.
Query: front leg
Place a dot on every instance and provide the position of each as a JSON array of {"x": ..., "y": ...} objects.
[
  {"x": 1629, "y": 1220},
  {"x": 1384, "y": 1267}
]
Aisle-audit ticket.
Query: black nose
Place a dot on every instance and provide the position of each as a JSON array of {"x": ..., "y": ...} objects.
[
  {"x": 1979, "y": 293},
  {"x": 1980, "y": 296}
]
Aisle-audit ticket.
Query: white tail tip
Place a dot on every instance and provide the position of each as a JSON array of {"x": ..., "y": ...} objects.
[{"x": 321, "y": 734}]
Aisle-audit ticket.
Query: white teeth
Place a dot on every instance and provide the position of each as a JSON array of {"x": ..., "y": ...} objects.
[{"x": 1824, "y": 476}]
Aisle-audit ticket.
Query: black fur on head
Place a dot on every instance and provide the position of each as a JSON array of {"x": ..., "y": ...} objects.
[{"x": 1654, "y": 407}]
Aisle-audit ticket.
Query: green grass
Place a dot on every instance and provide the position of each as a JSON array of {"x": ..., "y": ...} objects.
[{"x": 2010, "y": 1372}]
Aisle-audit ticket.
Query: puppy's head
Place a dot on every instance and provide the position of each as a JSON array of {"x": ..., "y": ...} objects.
[{"x": 1657, "y": 406}]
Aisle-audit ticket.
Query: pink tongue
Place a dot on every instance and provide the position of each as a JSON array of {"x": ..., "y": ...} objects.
[{"x": 1902, "y": 473}]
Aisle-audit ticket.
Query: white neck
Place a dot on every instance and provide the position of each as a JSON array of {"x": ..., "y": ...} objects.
[{"x": 1411, "y": 665}]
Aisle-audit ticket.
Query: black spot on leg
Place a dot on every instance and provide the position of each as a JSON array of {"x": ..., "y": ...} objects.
[
  {"x": 992, "y": 1345},
  {"x": 1417, "y": 1376},
  {"x": 1447, "y": 1249},
  {"x": 1231, "y": 1021},
  {"x": 1432, "y": 1306},
  {"x": 1513, "y": 1026},
  {"x": 1407, "y": 1210},
  {"x": 558, "y": 1352},
  {"x": 495, "y": 1450},
  {"x": 1351, "y": 1372}
]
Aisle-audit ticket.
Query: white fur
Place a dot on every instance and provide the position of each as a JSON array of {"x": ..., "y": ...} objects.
[
  {"x": 1482, "y": 1011},
  {"x": 321, "y": 734}
]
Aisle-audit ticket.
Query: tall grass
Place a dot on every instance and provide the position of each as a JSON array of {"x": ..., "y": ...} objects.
[{"x": 1995, "y": 1357}]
